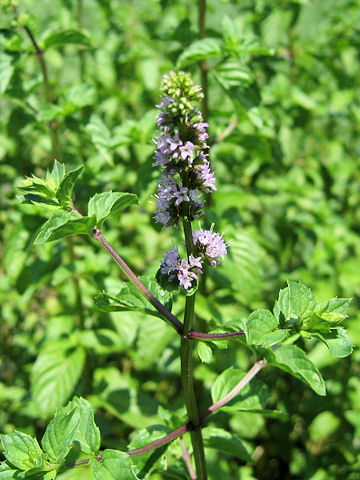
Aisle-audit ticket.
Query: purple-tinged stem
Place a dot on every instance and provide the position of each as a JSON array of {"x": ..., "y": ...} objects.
[
  {"x": 187, "y": 460},
  {"x": 174, "y": 321},
  {"x": 213, "y": 336},
  {"x": 188, "y": 427},
  {"x": 255, "y": 369}
]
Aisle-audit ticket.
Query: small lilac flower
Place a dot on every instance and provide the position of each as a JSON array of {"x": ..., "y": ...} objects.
[
  {"x": 186, "y": 271},
  {"x": 210, "y": 245}
]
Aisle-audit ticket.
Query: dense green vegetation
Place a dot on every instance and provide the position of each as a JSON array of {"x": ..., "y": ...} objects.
[{"x": 79, "y": 82}]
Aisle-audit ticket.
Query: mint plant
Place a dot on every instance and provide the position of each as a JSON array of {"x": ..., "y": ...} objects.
[{"x": 72, "y": 440}]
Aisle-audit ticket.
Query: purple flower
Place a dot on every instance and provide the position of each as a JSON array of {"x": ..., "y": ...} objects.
[
  {"x": 186, "y": 271},
  {"x": 170, "y": 197},
  {"x": 209, "y": 245}
]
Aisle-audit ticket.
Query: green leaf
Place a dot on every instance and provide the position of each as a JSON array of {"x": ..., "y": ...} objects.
[
  {"x": 22, "y": 451},
  {"x": 294, "y": 360},
  {"x": 259, "y": 324},
  {"x": 148, "y": 461},
  {"x": 252, "y": 397},
  {"x": 115, "y": 465},
  {"x": 6, "y": 71},
  {"x": 58, "y": 172},
  {"x": 128, "y": 299},
  {"x": 55, "y": 375},
  {"x": 200, "y": 50},
  {"x": 66, "y": 187},
  {"x": 337, "y": 341},
  {"x": 224, "y": 441},
  {"x": 205, "y": 352},
  {"x": 104, "y": 204},
  {"x": 63, "y": 224},
  {"x": 73, "y": 423},
  {"x": 65, "y": 37},
  {"x": 296, "y": 302},
  {"x": 334, "y": 310},
  {"x": 234, "y": 74},
  {"x": 59, "y": 434},
  {"x": 87, "y": 434}
]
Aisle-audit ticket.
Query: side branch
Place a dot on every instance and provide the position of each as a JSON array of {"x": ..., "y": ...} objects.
[
  {"x": 188, "y": 427},
  {"x": 174, "y": 321}
]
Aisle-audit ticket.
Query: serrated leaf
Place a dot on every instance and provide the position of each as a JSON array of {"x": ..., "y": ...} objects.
[
  {"x": 235, "y": 74},
  {"x": 87, "y": 434},
  {"x": 252, "y": 397},
  {"x": 22, "y": 451},
  {"x": 55, "y": 375},
  {"x": 63, "y": 224},
  {"x": 295, "y": 302},
  {"x": 59, "y": 434},
  {"x": 337, "y": 341},
  {"x": 115, "y": 465},
  {"x": 334, "y": 310},
  {"x": 200, "y": 50},
  {"x": 294, "y": 360},
  {"x": 148, "y": 461},
  {"x": 259, "y": 324},
  {"x": 66, "y": 187},
  {"x": 224, "y": 441},
  {"x": 58, "y": 171},
  {"x": 104, "y": 204},
  {"x": 6, "y": 71},
  {"x": 65, "y": 37}
]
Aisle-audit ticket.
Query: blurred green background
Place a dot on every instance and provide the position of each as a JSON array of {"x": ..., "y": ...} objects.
[{"x": 284, "y": 110}]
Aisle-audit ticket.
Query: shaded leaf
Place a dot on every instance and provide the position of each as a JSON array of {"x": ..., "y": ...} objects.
[
  {"x": 294, "y": 360},
  {"x": 55, "y": 375},
  {"x": 224, "y": 441}
]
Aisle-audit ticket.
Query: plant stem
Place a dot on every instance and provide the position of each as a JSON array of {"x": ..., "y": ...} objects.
[
  {"x": 188, "y": 427},
  {"x": 174, "y": 321},
  {"x": 82, "y": 59},
  {"x": 43, "y": 67},
  {"x": 187, "y": 371},
  {"x": 203, "y": 63}
]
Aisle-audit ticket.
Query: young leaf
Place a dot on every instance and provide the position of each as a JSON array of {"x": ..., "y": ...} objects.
[
  {"x": 205, "y": 352},
  {"x": 103, "y": 204},
  {"x": 65, "y": 37},
  {"x": 22, "y": 451},
  {"x": 63, "y": 224},
  {"x": 295, "y": 302},
  {"x": 337, "y": 341},
  {"x": 58, "y": 171},
  {"x": 253, "y": 397},
  {"x": 59, "y": 434},
  {"x": 224, "y": 441},
  {"x": 87, "y": 433},
  {"x": 199, "y": 50},
  {"x": 334, "y": 310},
  {"x": 66, "y": 187},
  {"x": 294, "y": 360},
  {"x": 115, "y": 465},
  {"x": 55, "y": 375},
  {"x": 260, "y": 323}
]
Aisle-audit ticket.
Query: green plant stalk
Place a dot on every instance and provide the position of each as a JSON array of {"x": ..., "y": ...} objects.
[
  {"x": 203, "y": 64},
  {"x": 187, "y": 371},
  {"x": 54, "y": 135}
]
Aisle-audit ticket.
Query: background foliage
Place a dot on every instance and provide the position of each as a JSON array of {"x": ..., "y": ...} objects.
[{"x": 284, "y": 115}]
